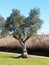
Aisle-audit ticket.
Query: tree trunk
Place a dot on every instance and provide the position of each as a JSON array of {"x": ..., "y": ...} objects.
[{"x": 24, "y": 50}]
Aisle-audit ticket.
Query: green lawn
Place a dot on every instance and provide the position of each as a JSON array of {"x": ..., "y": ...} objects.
[{"x": 8, "y": 59}]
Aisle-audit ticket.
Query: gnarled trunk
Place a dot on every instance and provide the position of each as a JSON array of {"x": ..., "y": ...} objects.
[{"x": 24, "y": 50}]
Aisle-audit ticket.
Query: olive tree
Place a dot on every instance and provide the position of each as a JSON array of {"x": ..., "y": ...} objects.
[{"x": 22, "y": 27}]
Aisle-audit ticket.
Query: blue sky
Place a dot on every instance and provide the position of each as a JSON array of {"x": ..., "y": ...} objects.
[{"x": 24, "y": 6}]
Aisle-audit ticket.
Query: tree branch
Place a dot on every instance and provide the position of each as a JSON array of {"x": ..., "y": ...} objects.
[
  {"x": 15, "y": 37},
  {"x": 19, "y": 39},
  {"x": 26, "y": 38}
]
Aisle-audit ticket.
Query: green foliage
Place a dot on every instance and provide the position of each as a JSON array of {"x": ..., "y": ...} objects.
[
  {"x": 14, "y": 21},
  {"x": 24, "y": 26},
  {"x": 2, "y": 22},
  {"x": 33, "y": 20}
]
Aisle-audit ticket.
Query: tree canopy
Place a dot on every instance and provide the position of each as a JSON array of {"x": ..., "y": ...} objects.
[
  {"x": 24, "y": 26},
  {"x": 2, "y": 22}
]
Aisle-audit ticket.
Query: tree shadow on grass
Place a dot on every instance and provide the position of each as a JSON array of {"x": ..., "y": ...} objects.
[{"x": 17, "y": 56}]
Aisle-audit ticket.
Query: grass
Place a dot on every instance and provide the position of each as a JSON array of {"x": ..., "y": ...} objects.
[{"x": 8, "y": 59}]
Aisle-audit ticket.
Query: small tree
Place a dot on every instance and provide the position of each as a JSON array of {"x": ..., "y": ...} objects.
[
  {"x": 2, "y": 23},
  {"x": 23, "y": 28}
]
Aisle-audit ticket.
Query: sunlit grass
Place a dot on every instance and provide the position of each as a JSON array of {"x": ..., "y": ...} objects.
[{"x": 9, "y": 59}]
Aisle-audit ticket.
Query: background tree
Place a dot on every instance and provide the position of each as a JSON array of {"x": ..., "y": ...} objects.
[
  {"x": 22, "y": 28},
  {"x": 2, "y": 23}
]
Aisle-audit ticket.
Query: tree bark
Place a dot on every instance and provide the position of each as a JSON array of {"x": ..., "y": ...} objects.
[
  {"x": 22, "y": 43},
  {"x": 24, "y": 51}
]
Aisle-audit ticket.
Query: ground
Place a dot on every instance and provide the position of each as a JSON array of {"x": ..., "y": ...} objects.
[{"x": 10, "y": 59}]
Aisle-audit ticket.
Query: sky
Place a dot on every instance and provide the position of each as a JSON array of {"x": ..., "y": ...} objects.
[{"x": 24, "y": 6}]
